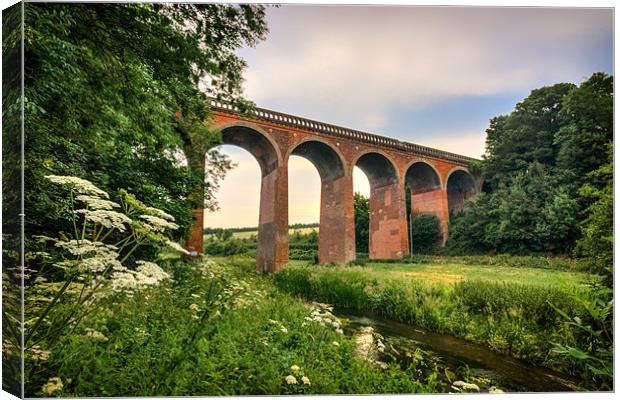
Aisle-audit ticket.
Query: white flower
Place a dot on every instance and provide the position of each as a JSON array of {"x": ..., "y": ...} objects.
[
  {"x": 291, "y": 380},
  {"x": 176, "y": 246},
  {"x": 96, "y": 335},
  {"x": 336, "y": 344},
  {"x": 194, "y": 307},
  {"x": 159, "y": 213},
  {"x": 283, "y": 330},
  {"x": 95, "y": 203},
  {"x": 295, "y": 368},
  {"x": 107, "y": 218},
  {"x": 81, "y": 186},
  {"x": 305, "y": 380},
  {"x": 39, "y": 354},
  {"x": 86, "y": 247},
  {"x": 157, "y": 224},
  {"x": 52, "y": 385}
]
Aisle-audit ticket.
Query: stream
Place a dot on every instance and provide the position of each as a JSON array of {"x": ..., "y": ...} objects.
[{"x": 460, "y": 357}]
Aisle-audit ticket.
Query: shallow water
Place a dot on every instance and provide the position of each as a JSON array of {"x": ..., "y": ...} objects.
[{"x": 505, "y": 372}]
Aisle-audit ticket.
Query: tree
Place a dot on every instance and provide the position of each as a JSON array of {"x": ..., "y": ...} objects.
[
  {"x": 597, "y": 241},
  {"x": 537, "y": 158},
  {"x": 362, "y": 214},
  {"x": 526, "y": 135},
  {"x": 115, "y": 92}
]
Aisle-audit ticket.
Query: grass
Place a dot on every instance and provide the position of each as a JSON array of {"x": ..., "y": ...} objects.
[
  {"x": 511, "y": 310},
  {"x": 449, "y": 272},
  {"x": 216, "y": 328}
]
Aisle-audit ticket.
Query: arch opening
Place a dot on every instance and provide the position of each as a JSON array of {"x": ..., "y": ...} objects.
[
  {"x": 422, "y": 178},
  {"x": 323, "y": 157},
  {"x": 378, "y": 169},
  {"x": 336, "y": 238},
  {"x": 255, "y": 143},
  {"x": 461, "y": 186}
]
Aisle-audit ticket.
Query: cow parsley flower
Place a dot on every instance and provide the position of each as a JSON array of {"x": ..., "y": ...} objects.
[
  {"x": 80, "y": 185},
  {"x": 95, "y": 203},
  {"x": 176, "y": 246},
  {"x": 157, "y": 224},
  {"x": 52, "y": 385},
  {"x": 107, "y": 218},
  {"x": 96, "y": 335},
  {"x": 291, "y": 380},
  {"x": 305, "y": 380},
  {"x": 295, "y": 368},
  {"x": 159, "y": 213}
]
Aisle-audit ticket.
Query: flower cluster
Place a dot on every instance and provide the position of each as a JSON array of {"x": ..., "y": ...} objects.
[
  {"x": 279, "y": 325},
  {"x": 107, "y": 218},
  {"x": 96, "y": 203},
  {"x": 157, "y": 224},
  {"x": 322, "y": 314},
  {"x": 81, "y": 186},
  {"x": 39, "y": 354},
  {"x": 96, "y": 335},
  {"x": 297, "y": 373},
  {"x": 148, "y": 274},
  {"x": 52, "y": 385}
]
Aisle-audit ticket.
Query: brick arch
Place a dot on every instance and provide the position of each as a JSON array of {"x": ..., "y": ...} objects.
[
  {"x": 459, "y": 188},
  {"x": 427, "y": 171},
  {"x": 327, "y": 159},
  {"x": 255, "y": 140},
  {"x": 390, "y": 162}
]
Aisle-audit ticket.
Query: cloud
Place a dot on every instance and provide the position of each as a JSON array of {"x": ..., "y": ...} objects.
[{"x": 351, "y": 65}]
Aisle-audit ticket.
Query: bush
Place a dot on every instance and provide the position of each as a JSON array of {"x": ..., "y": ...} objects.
[{"x": 426, "y": 232}]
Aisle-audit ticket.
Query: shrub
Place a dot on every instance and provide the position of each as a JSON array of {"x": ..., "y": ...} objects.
[{"x": 426, "y": 232}]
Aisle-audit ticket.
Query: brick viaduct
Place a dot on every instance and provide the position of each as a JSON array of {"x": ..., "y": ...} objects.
[{"x": 439, "y": 182}]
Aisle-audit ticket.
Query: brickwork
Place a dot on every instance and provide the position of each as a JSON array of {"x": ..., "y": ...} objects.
[{"x": 273, "y": 137}]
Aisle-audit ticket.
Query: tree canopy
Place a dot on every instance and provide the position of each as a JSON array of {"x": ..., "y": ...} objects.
[
  {"x": 115, "y": 92},
  {"x": 539, "y": 169}
]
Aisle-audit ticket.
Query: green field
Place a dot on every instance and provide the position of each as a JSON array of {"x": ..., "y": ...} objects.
[
  {"x": 452, "y": 272},
  {"x": 248, "y": 234}
]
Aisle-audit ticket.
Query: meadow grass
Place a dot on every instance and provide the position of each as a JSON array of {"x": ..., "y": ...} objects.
[
  {"x": 452, "y": 272},
  {"x": 511, "y": 310}
]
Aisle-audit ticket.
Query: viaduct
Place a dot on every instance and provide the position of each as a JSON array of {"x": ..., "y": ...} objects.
[{"x": 439, "y": 182}]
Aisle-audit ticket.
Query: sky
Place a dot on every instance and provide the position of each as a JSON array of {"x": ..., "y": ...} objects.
[{"x": 429, "y": 75}]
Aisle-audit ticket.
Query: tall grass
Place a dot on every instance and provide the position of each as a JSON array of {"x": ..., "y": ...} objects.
[{"x": 510, "y": 318}]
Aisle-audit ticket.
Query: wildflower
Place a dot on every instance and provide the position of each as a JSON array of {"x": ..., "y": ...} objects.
[
  {"x": 305, "y": 380},
  {"x": 157, "y": 224},
  {"x": 80, "y": 185},
  {"x": 284, "y": 330},
  {"x": 159, "y": 213},
  {"x": 52, "y": 385},
  {"x": 95, "y": 203},
  {"x": 295, "y": 368},
  {"x": 107, "y": 218},
  {"x": 194, "y": 307},
  {"x": 96, "y": 335},
  {"x": 291, "y": 380},
  {"x": 177, "y": 247},
  {"x": 336, "y": 344},
  {"x": 38, "y": 354}
]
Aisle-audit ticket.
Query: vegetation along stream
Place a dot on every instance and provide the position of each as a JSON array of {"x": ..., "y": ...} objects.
[{"x": 457, "y": 358}]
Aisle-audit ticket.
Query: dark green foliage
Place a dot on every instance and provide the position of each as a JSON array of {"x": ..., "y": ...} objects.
[
  {"x": 113, "y": 97},
  {"x": 362, "y": 222},
  {"x": 425, "y": 232},
  {"x": 596, "y": 244},
  {"x": 232, "y": 345},
  {"x": 537, "y": 159}
]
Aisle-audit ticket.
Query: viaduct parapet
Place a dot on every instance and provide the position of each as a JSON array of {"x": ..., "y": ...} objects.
[{"x": 439, "y": 182}]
